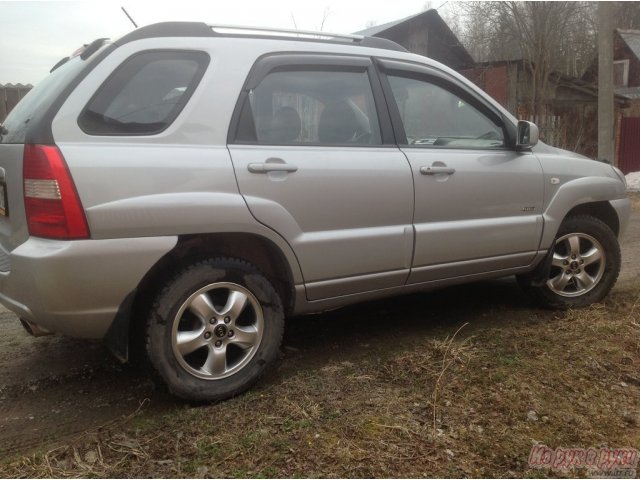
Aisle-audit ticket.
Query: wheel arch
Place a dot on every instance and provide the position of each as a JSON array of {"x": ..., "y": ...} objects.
[
  {"x": 582, "y": 196},
  {"x": 263, "y": 253},
  {"x": 577, "y": 223},
  {"x": 601, "y": 210}
]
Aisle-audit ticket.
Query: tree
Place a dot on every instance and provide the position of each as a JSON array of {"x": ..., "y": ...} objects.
[
  {"x": 547, "y": 37},
  {"x": 626, "y": 15},
  {"x": 550, "y": 39}
]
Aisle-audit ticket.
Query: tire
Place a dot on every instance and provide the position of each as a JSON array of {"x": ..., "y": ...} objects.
[
  {"x": 575, "y": 282},
  {"x": 214, "y": 329}
]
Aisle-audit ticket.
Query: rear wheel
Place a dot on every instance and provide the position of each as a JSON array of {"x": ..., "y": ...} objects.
[
  {"x": 584, "y": 266},
  {"x": 214, "y": 329}
]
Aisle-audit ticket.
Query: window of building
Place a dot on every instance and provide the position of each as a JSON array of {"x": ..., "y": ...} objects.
[{"x": 621, "y": 73}]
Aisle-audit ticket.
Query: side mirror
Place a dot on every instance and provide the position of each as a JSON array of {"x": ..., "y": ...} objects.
[{"x": 528, "y": 135}]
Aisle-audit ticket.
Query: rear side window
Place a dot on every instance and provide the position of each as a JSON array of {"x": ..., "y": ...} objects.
[
  {"x": 311, "y": 107},
  {"x": 145, "y": 94}
]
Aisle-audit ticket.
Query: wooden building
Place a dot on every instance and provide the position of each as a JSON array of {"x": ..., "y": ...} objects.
[
  {"x": 567, "y": 119},
  {"x": 425, "y": 34},
  {"x": 10, "y": 95},
  {"x": 569, "y": 116},
  {"x": 626, "y": 79}
]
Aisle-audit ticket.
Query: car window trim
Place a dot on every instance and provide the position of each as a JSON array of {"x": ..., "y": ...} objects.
[
  {"x": 278, "y": 61},
  {"x": 422, "y": 72}
]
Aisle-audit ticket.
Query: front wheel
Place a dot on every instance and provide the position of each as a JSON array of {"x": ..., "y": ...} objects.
[
  {"x": 214, "y": 329},
  {"x": 584, "y": 266}
]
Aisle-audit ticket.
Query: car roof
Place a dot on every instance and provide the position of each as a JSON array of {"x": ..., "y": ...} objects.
[{"x": 201, "y": 29}]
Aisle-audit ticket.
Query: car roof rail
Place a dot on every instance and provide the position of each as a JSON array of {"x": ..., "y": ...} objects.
[
  {"x": 201, "y": 29},
  {"x": 309, "y": 35},
  {"x": 283, "y": 32}
]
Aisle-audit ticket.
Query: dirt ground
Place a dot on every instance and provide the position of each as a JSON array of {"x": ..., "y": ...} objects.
[{"x": 53, "y": 390}]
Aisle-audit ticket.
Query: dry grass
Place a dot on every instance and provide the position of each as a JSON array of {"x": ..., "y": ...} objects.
[
  {"x": 635, "y": 201},
  {"x": 438, "y": 403}
]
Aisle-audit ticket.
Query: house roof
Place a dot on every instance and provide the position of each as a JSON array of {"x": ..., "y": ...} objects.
[
  {"x": 632, "y": 93},
  {"x": 434, "y": 21},
  {"x": 372, "y": 31},
  {"x": 632, "y": 39}
]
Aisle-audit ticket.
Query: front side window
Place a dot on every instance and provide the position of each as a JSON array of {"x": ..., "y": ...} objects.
[
  {"x": 435, "y": 117},
  {"x": 311, "y": 107},
  {"x": 145, "y": 94}
]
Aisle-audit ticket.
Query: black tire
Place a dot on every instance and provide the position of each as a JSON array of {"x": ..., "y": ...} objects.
[
  {"x": 176, "y": 306},
  {"x": 584, "y": 227}
]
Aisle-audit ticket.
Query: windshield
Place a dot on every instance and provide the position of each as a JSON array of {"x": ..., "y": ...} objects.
[{"x": 39, "y": 99}]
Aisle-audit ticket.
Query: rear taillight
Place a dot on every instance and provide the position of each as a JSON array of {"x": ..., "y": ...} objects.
[{"x": 51, "y": 202}]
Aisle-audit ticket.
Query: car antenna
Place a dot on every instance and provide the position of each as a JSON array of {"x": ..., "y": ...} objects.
[{"x": 129, "y": 17}]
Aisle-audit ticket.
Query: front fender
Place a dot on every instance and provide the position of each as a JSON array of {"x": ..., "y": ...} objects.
[{"x": 577, "y": 192}]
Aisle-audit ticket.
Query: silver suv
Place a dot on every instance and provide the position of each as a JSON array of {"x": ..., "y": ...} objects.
[{"x": 182, "y": 190}]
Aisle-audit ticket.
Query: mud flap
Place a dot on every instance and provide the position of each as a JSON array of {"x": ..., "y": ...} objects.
[
  {"x": 539, "y": 275},
  {"x": 117, "y": 337}
]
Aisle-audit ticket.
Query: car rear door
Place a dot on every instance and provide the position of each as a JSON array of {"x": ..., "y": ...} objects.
[
  {"x": 316, "y": 161},
  {"x": 478, "y": 202}
]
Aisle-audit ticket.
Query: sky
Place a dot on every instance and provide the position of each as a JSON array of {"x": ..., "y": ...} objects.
[{"x": 35, "y": 35}]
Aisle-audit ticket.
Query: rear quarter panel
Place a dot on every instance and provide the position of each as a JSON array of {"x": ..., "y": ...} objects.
[{"x": 180, "y": 181}]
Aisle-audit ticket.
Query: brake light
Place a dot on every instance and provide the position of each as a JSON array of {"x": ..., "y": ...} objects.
[{"x": 51, "y": 202}]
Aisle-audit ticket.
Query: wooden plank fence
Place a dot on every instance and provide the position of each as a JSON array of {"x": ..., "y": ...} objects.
[{"x": 9, "y": 96}]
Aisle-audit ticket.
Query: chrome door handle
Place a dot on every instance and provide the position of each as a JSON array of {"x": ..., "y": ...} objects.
[
  {"x": 437, "y": 170},
  {"x": 271, "y": 167}
]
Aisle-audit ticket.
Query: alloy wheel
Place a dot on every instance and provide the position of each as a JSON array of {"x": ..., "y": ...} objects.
[
  {"x": 577, "y": 266},
  {"x": 217, "y": 330}
]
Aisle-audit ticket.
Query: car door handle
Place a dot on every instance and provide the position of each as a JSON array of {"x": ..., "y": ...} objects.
[
  {"x": 437, "y": 170},
  {"x": 271, "y": 167}
]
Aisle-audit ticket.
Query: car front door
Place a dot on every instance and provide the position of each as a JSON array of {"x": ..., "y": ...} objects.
[
  {"x": 316, "y": 161},
  {"x": 478, "y": 201}
]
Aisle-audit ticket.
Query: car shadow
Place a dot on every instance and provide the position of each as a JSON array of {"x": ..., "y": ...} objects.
[{"x": 346, "y": 333}]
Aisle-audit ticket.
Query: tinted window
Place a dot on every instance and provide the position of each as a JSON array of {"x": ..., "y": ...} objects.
[
  {"x": 311, "y": 107},
  {"x": 435, "y": 117},
  {"x": 145, "y": 94},
  {"x": 39, "y": 100}
]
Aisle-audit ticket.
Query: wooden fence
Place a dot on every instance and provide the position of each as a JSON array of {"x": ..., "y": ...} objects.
[{"x": 9, "y": 96}]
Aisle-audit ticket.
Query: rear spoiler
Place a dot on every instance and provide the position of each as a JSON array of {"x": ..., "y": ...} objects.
[{"x": 85, "y": 52}]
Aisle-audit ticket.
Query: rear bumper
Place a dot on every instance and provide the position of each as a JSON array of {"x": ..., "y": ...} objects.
[{"x": 76, "y": 287}]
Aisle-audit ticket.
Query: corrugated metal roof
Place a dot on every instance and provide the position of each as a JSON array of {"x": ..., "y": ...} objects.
[
  {"x": 371, "y": 31},
  {"x": 632, "y": 39}
]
